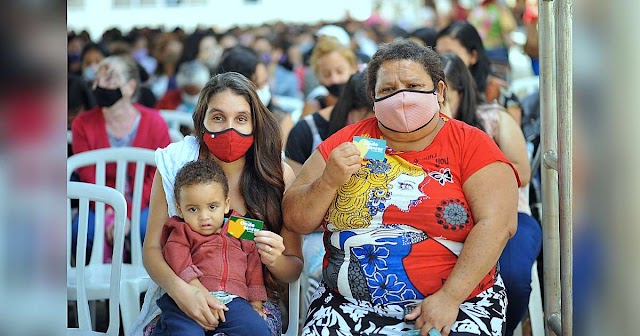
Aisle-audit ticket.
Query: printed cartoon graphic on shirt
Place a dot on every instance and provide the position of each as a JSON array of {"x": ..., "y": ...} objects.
[
  {"x": 373, "y": 189},
  {"x": 397, "y": 219},
  {"x": 364, "y": 246}
]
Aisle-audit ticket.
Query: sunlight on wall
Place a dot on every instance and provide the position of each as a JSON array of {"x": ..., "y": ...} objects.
[{"x": 99, "y": 15}]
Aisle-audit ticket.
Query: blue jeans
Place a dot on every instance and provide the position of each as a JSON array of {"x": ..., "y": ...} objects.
[
  {"x": 144, "y": 214},
  {"x": 241, "y": 319},
  {"x": 516, "y": 261}
]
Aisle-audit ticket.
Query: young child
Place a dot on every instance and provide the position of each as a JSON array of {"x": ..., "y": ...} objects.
[{"x": 196, "y": 246}]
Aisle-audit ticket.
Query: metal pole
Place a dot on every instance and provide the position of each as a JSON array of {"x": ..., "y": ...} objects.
[
  {"x": 549, "y": 145},
  {"x": 564, "y": 21}
]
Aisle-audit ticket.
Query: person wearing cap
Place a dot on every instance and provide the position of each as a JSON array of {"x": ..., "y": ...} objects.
[
  {"x": 333, "y": 64},
  {"x": 311, "y": 84},
  {"x": 191, "y": 78},
  {"x": 336, "y": 32}
]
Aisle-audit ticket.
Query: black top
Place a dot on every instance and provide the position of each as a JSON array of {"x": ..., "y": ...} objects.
[{"x": 300, "y": 138}]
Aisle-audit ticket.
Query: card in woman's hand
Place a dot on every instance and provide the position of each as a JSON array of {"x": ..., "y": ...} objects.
[{"x": 243, "y": 228}]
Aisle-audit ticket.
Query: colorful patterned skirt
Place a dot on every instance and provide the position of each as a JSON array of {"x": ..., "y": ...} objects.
[{"x": 333, "y": 314}]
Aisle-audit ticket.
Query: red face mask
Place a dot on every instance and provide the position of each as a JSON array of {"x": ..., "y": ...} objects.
[{"x": 228, "y": 145}]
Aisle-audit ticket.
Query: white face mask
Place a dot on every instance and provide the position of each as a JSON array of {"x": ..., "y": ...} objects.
[
  {"x": 265, "y": 95},
  {"x": 189, "y": 99}
]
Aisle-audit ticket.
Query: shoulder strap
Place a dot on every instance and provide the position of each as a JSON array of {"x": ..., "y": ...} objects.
[{"x": 314, "y": 131}]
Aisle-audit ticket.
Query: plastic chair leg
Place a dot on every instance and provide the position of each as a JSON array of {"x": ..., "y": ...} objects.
[
  {"x": 294, "y": 308},
  {"x": 129, "y": 305},
  {"x": 536, "y": 311},
  {"x": 518, "y": 331}
]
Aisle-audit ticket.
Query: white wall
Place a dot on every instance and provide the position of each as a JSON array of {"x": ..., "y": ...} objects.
[{"x": 99, "y": 15}]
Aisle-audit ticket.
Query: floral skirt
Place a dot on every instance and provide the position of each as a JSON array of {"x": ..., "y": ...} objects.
[{"x": 333, "y": 314}]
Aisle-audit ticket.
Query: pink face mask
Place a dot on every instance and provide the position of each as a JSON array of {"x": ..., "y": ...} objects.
[{"x": 406, "y": 111}]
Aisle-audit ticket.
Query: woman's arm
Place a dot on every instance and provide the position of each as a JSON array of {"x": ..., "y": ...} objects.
[
  {"x": 152, "y": 257},
  {"x": 282, "y": 254},
  {"x": 516, "y": 113},
  {"x": 306, "y": 202},
  {"x": 295, "y": 166},
  {"x": 191, "y": 299},
  {"x": 495, "y": 220},
  {"x": 513, "y": 146}
]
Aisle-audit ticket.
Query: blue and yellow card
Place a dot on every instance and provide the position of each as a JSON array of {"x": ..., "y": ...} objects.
[
  {"x": 372, "y": 149},
  {"x": 243, "y": 228}
]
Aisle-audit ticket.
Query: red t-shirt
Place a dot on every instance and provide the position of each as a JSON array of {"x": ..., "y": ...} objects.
[{"x": 405, "y": 219}]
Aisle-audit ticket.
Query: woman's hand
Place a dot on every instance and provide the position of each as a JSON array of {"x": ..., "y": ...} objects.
[
  {"x": 257, "y": 306},
  {"x": 218, "y": 313},
  {"x": 199, "y": 305},
  {"x": 437, "y": 311},
  {"x": 343, "y": 162},
  {"x": 270, "y": 246}
]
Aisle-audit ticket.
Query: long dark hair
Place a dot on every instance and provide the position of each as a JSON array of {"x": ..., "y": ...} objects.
[
  {"x": 262, "y": 181},
  {"x": 239, "y": 59},
  {"x": 425, "y": 34},
  {"x": 468, "y": 36},
  {"x": 353, "y": 97},
  {"x": 459, "y": 79}
]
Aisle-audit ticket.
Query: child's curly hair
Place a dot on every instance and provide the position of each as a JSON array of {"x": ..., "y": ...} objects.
[{"x": 200, "y": 172}]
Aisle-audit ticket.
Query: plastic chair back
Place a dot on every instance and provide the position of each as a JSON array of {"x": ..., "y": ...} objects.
[
  {"x": 125, "y": 158},
  {"x": 175, "y": 120},
  {"x": 102, "y": 195}
]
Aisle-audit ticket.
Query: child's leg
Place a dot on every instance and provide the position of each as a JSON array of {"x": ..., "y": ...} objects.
[
  {"x": 173, "y": 321},
  {"x": 242, "y": 319}
]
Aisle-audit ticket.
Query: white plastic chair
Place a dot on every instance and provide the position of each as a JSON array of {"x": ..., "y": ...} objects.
[
  {"x": 536, "y": 313},
  {"x": 135, "y": 279},
  {"x": 81, "y": 279},
  {"x": 294, "y": 309},
  {"x": 174, "y": 120}
]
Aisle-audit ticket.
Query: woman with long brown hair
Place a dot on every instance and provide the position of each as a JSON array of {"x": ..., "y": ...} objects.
[{"x": 233, "y": 128}]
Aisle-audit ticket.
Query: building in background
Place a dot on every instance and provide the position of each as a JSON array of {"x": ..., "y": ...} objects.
[{"x": 97, "y": 16}]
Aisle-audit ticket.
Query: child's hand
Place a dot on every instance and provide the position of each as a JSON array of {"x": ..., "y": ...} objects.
[{"x": 257, "y": 306}]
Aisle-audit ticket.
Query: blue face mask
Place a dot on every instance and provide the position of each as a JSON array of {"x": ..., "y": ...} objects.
[
  {"x": 140, "y": 54},
  {"x": 89, "y": 73},
  {"x": 73, "y": 58},
  {"x": 188, "y": 103},
  {"x": 266, "y": 58}
]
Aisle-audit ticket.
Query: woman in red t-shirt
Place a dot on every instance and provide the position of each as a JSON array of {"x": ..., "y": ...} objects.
[{"x": 421, "y": 228}]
